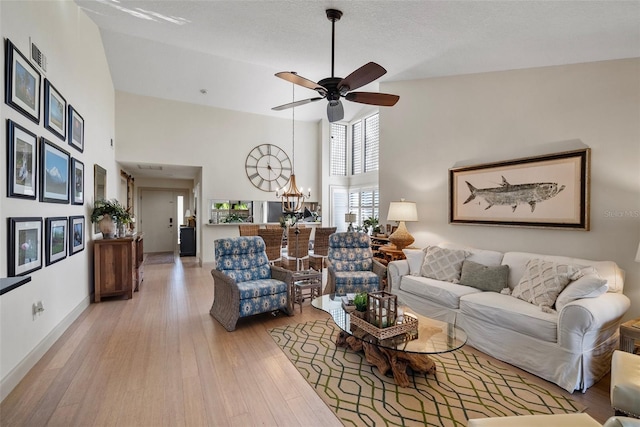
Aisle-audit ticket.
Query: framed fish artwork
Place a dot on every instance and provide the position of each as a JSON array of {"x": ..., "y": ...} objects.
[{"x": 548, "y": 191}]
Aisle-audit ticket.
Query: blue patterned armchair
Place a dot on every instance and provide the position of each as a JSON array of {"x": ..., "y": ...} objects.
[
  {"x": 244, "y": 282},
  {"x": 351, "y": 266}
]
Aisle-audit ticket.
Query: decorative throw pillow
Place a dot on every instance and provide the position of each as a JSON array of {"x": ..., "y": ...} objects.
[
  {"x": 543, "y": 281},
  {"x": 443, "y": 264},
  {"x": 484, "y": 277},
  {"x": 415, "y": 257},
  {"x": 588, "y": 285}
]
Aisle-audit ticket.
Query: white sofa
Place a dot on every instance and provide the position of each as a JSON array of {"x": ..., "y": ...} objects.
[{"x": 571, "y": 348}]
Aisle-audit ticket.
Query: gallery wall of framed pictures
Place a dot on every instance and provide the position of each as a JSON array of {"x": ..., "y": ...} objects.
[{"x": 41, "y": 167}]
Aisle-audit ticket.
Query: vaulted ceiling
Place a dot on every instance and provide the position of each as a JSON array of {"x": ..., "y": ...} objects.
[{"x": 231, "y": 49}]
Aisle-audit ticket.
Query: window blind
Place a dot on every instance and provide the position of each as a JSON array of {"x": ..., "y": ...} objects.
[
  {"x": 338, "y": 162},
  {"x": 371, "y": 143}
]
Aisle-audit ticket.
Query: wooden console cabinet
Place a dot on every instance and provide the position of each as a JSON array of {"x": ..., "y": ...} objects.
[{"x": 117, "y": 266}]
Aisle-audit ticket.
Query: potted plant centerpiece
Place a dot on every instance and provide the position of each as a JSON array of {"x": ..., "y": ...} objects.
[
  {"x": 372, "y": 223},
  {"x": 109, "y": 214}
]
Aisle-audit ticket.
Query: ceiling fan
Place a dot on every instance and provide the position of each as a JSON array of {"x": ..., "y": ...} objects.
[{"x": 333, "y": 88}]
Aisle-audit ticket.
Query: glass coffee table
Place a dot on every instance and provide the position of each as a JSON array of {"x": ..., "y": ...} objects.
[{"x": 400, "y": 352}]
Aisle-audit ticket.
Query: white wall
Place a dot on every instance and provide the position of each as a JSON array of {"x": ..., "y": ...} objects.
[
  {"x": 77, "y": 67},
  {"x": 494, "y": 116},
  {"x": 153, "y": 130}
]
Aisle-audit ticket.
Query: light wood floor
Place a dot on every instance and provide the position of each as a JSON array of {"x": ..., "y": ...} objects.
[{"x": 161, "y": 359}]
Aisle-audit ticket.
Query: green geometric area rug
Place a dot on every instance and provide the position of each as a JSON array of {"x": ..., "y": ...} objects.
[{"x": 465, "y": 386}]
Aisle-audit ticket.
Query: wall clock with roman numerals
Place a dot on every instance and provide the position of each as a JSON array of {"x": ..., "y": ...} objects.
[{"x": 268, "y": 167}]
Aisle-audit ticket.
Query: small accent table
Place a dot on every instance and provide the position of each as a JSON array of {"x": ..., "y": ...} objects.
[
  {"x": 303, "y": 281},
  {"x": 391, "y": 253},
  {"x": 629, "y": 333}
]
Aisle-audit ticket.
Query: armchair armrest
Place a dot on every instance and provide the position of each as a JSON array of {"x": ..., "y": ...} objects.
[
  {"x": 286, "y": 276},
  {"x": 226, "y": 300},
  {"x": 587, "y": 322},
  {"x": 331, "y": 279},
  {"x": 381, "y": 271},
  {"x": 280, "y": 273}
]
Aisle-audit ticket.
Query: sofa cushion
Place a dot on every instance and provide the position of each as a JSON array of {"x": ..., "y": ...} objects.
[
  {"x": 511, "y": 313},
  {"x": 484, "y": 277},
  {"x": 444, "y": 293},
  {"x": 415, "y": 258},
  {"x": 608, "y": 270},
  {"x": 588, "y": 285},
  {"x": 481, "y": 256},
  {"x": 543, "y": 281},
  {"x": 443, "y": 264}
]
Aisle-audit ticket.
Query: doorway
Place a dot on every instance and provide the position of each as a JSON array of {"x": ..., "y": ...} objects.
[{"x": 159, "y": 219}]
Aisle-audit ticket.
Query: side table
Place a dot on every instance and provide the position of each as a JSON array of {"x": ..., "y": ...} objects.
[
  {"x": 629, "y": 333},
  {"x": 306, "y": 283},
  {"x": 391, "y": 253}
]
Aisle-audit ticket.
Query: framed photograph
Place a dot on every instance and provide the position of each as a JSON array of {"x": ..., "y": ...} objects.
[
  {"x": 55, "y": 111},
  {"x": 21, "y": 161},
  {"x": 76, "y": 234},
  {"x": 76, "y": 129},
  {"x": 56, "y": 235},
  {"x": 54, "y": 173},
  {"x": 22, "y": 83},
  {"x": 550, "y": 191},
  {"x": 77, "y": 182},
  {"x": 25, "y": 245}
]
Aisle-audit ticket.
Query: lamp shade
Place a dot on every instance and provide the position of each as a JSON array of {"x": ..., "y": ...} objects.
[
  {"x": 402, "y": 211},
  {"x": 349, "y": 217},
  {"x": 187, "y": 213}
]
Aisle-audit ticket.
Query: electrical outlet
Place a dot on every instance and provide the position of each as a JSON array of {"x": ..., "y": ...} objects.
[{"x": 37, "y": 307}]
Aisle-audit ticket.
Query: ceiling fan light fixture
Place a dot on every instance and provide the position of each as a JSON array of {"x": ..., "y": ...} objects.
[{"x": 333, "y": 88}]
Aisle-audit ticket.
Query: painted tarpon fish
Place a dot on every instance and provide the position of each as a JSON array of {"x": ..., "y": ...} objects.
[{"x": 514, "y": 195}]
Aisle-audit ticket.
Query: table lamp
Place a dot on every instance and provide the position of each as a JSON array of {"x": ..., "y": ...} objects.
[
  {"x": 350, "y": 218},
  {"x": 402, "y": 211}
]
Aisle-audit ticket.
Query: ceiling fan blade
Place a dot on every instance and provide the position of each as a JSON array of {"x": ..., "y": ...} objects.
[
  {"x": 301, "y": 81},
  {"x": 373, "y": 98},
  {"x": 335, "y": 111},
  {"x": 297, "y": 103},
  {"x": 362, "y": 76}
]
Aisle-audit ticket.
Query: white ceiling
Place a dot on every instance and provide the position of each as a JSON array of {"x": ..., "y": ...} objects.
[{"x": 173, "y": 49}]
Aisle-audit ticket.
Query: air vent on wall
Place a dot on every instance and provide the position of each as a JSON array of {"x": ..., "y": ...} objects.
[{"x": 38, "y": 57}]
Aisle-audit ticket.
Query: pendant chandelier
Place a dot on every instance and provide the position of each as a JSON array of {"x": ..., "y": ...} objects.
[{"x": 292, "y": 197}]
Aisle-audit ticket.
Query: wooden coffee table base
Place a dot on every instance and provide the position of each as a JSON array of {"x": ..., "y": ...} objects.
[{"x": 386, "y": 359}]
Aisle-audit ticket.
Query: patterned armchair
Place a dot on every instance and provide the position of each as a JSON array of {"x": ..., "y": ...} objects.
[
  {"x": 351, "y": 266},
  {"x": 244, "y": 282}
]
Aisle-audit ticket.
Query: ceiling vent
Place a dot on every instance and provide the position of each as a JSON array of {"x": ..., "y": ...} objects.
[
  {"x": 38, "y": 57},
  {"x": 150, "y": 167}
]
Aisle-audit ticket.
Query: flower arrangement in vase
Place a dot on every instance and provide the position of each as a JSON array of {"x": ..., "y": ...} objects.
[{"x": 108, "y": 214}]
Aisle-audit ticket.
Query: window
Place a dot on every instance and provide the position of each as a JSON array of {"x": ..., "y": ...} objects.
[
  {"x": 338, "y": 150},
  {"x": 356, "y": 148},
  {"x": 354, "y": 151},
  {"x": 364, "y": 203},
  {"x": 371, "y": 143},
  {"x": 364, "y": 149}
]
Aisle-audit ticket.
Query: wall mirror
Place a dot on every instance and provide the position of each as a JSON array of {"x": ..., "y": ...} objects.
[
  {"x": 99, "y": 187},
  {"x": 129, "y": 183}
]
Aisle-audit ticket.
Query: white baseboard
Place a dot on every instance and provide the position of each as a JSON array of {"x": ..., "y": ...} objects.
[{"x": 13, "y": 378}]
